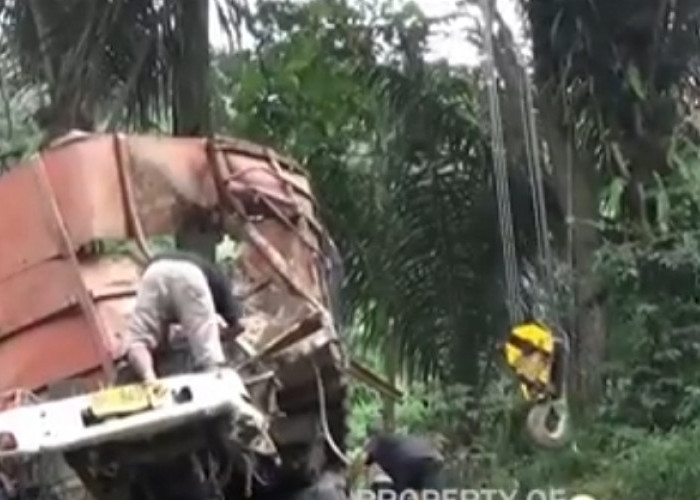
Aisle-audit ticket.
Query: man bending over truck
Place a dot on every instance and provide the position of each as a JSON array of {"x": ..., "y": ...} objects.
[
  {"x": 184, "y": 288},
  {"x": 181, "y": 287}
]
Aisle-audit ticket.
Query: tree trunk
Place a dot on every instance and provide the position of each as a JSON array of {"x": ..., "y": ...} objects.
[
  {"x": 587, "y": 322},
  {"x": 191, "y": 113},
  {"x": 589, "y": 318}
]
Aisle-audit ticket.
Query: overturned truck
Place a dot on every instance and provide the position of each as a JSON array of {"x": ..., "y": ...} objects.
[{"x": 73, "y": 419}]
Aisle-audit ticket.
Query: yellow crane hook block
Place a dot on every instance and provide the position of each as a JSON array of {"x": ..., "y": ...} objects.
[{"x": 529, "y": 352}]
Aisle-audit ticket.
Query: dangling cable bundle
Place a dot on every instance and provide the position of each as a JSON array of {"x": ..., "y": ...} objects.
[
  {"x": 532, "y": 351},
  {"x": 505, "y": 218}
]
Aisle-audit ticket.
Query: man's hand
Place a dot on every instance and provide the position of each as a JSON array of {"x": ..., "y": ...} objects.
[
  {"x": 157, "y": 393},
  {"x": 142, "y": 362},
  {"x": 229, "y": 329}
]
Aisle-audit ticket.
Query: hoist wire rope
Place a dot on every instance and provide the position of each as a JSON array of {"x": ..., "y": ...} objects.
[
  {"x": 539, "y": 206},
  {"x": 535, "y": 168},
  {"x": 532, "y": 177},
  {"x": 570, "y": 216},
  {"x": 529, "y": 158},
  {"x": 532, "y": 148},
  {"x": 570, "y": 144},
  {"x": 500, "y": 173},
  {"x": 539, "y": 413},
  {"x": 538, "y": 196}
]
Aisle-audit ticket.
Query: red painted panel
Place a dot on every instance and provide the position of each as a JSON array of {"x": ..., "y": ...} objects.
[
  {"x": 112, "y": 282},
  {"x": 26, "y": 237},
  {"x": 43, "y": 290},
  {"x": 49, "y": 352},
  {"x": 85, "y": 182}
]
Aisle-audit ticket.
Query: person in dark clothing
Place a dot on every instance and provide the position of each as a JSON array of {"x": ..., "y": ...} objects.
[
  {"x": 411, "y": 462},
  {"x": 181, "y": 287}
]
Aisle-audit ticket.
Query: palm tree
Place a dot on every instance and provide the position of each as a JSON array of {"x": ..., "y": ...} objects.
[
  {"x": 614, "y": 80},
  {"x": 106, "y": 62}
]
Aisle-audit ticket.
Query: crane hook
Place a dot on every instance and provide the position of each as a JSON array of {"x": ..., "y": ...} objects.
[{"x": 549, "y": 424}]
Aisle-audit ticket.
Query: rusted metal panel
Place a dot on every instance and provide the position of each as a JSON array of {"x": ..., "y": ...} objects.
[
  {"x": 40, "y": 277},
  {"x": 59, "y": 229},
  {"x": 35, "y": 294},
  {"x": 86, "y": 200},
  {"x": 166, "y": 173},
  {"x": 181, "y": 162},
  {"x": 84, "y": 179},
  {"x": 25, "y": 238},
  {"x": 49, "y": 352},
  {"x": 112, "y": 282}
]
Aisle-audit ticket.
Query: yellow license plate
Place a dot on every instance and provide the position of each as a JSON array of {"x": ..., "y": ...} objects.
[{"x": 125, "y": 400}]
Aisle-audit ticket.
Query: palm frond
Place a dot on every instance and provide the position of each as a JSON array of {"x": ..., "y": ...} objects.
[{"x": 112, "y": 58}]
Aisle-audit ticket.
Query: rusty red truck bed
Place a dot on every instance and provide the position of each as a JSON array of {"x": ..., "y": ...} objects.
[{"x": 61, "y": 316}]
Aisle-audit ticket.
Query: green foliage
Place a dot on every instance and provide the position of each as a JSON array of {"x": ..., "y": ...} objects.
[
  {"x": 121, "y": 248},
  {"x": 397, "y": 155},
  {"x": 653, "y": 379},
  {"x": 663, "y": 467},
  {"x": 623, "y": 74},
  {"x": 400, "y": 161},
  {"x": 622, "y": 463},
  {"x": 101, "y": 64},
  {"x": 19, "y": 135}
]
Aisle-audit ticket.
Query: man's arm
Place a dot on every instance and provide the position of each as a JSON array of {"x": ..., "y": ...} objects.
[
  {"x": 231, "y": 312},
  {"x": 226, "y": 304},
  {"x": 141, "y": 361}
]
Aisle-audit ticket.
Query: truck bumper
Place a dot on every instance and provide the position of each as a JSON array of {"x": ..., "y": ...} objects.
[{"x": 59, "y": 426}]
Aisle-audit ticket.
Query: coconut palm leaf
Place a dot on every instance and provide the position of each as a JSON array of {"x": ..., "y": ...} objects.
[{"x": 103, "y": 59}]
